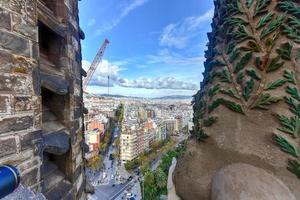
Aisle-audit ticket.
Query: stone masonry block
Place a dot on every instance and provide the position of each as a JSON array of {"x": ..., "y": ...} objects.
[
  {"x": 28, "y": 164},
  {"x": 14, "y": 43},
  {"x": 29, "y": 139},
  {"x": 15, "y": 64},
  {"x": 15, "y": 83},
  {"x": 20, "y": 25},
  {"x": 26, "y": 8},
  {"x": 30, "y": 178},
  {"x": 25, "y": 103},
  {"x": 5, "y": 104},
  {"x": 15, "y": 123},
  {"x": 7, "y": 146},
  {"x": 5, "y": 19}
]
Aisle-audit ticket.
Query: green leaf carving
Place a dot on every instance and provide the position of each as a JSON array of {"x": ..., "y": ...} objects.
[
  {"x": 252, "y": 73},
  {"x": 243, "y": 62},
  {"x": 265, "y": 100},
  {"x": 258, "y": 63},
  {"x": 241, "y": 34},
  {"x": 213, "y": 91},
  {"x": 275, "y": 64},
  {"x": 294, "y": 167},
  {"x": 240, "y": 77},
  {"x": 290, "y": 125},
  {"x": 249, "y": 3},
  {"x": 235, "y": 7},
  {"x": 285, "y": 51},
  {"x": 224, "y": 76},
  {"x": 294, "y": 22},
  {"x": 231, "y": 45},
  {"x": 286, "y": 146},
  {"x": 229, "y": 104},
  {"x": 234, "y": 54},
  {"x": 264, "y": 20},
  {"x": 294, "y": 107},
  {"x": 273, "y": 26},
  {"x": 290, "y": 76},
  {"x": 290, "y": 7},
  {"x": 293, "y": 92},
  {"x": 209, "y": 121},
  {"x": 252, "y": 46},
  {"x": 231, "y": 92},
  {"x": 261, "y": 6},
  {"x": 275, "y": 84},
  {"x": 292, "y": 33},
  {"x": 248, "y": 89},
  {"x": 233, "y": 21},
  {"x": 201, "y": 136}
]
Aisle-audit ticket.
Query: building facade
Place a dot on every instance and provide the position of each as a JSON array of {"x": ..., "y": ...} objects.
[
  {"x": 41, "y": 108},
  {"x": 128, "y": 144}
]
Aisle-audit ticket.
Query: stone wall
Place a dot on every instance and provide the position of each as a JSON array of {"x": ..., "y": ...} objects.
[{"x": 22, "y": 135}]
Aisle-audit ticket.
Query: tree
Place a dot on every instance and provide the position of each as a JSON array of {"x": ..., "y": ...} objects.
[
  {"x": 160, "y": 178},
  {"x": 251, "y": 75}
]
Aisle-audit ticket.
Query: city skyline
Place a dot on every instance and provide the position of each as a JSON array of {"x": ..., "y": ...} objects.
[{"x": 156, "y": 49}]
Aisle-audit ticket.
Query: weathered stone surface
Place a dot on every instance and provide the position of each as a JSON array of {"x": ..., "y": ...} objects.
[
  {"x": 30, "y": 139},
  {"x": 6, "y": 62},
  {"x": 7, "y": 146},
  {"x": 14, "y": 64},
  {"x": 26, "y": 8},
  {"x": 243, "y": 181},
  {"x": 24, "y": 103},
  {"x": 77, "y": 113},
  {"x": 14, "y": 43},
  {"x": 54, "y": 83},
  {"x": 30, "y": 178},
  {"x": 5, "y": 104},
  {"x": 89, "y": 188},
  {"x": 76, "y": 174},
  {"x": 20, "y": 25},
  {"x": 5, "y": 19},
  {"x": 15, "y": 83},
  {"x": 15, "y": 123},
  {"x": 28, "y": 165},
  {"x": 57, "y": 143}
]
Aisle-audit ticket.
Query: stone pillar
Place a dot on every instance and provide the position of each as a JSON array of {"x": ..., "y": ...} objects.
[
  {"x": 20, "y": 108},
  {"x": 247, "y": 110},
  {"x": 22, "y": 134}
]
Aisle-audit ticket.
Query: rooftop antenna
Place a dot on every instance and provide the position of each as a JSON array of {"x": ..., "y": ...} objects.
[{"x": 108, "y": 71}]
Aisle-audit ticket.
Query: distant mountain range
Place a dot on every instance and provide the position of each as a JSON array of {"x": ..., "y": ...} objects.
[
  {"x": 180, "y": 97},
  {"x": 171, "y": 97}
]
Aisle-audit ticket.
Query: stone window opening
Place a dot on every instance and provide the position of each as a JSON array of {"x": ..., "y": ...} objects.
[
  {"x": 57, "y": 143},
  {"x": 50, "y": 44}
]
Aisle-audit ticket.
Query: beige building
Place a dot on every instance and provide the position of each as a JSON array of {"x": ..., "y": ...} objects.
[{"x": 128, "y": 144}]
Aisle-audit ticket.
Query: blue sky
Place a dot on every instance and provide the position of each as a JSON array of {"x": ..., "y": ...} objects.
[{"x": 156, "y": 46}]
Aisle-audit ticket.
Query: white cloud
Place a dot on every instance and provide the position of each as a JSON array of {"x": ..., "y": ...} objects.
[
  {"x": 106, "y": 68},
  {"x": 158, "y": 83},
  {"x": 91, "y": 22},
  {"x": 178, "y": 35},
  {"x": 171, "y": 58},
  {"x": 123, "y": 13}
]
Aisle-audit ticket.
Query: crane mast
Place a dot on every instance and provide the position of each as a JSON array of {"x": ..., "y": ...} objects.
[{"x": 94, "y": 64}]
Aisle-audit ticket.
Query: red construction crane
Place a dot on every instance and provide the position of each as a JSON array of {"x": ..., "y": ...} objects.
[{"x": 95, "y": 64}]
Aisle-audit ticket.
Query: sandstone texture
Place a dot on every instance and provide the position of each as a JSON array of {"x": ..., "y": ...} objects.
[
  {"x": 248, "y": 108},
  {"x": 255, "y": 183}
]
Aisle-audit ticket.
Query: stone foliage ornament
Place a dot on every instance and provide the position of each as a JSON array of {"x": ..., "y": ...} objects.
[{"x": 248, "y": 107}]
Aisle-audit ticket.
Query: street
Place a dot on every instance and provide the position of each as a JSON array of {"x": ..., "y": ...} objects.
[{"x": 111, "y": 183}]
